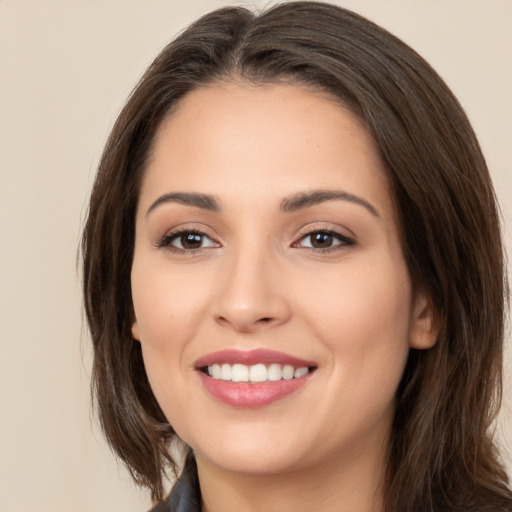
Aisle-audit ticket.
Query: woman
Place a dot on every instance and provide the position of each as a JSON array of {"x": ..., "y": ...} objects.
[{"x": 293, "y": 269}]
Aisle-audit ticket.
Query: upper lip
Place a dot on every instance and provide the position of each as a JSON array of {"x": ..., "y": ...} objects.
[{"x": 251, "y": 357}]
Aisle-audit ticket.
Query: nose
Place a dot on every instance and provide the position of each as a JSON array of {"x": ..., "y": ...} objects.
[{"x": 252, "y": 294}]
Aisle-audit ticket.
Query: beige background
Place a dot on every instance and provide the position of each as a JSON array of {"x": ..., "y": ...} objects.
[{"x": 65, "y": 68}]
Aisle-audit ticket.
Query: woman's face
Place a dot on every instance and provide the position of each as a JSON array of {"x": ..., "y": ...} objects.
[{"x": 271, "y": 296}]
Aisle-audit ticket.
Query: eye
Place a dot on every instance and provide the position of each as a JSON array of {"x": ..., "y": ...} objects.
[
  {"x": 323, "y": 240},
  {"x": 187, "y": 241}
]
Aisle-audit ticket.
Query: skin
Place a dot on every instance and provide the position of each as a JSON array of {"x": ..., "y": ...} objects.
[{"x": 256, "y": 282}]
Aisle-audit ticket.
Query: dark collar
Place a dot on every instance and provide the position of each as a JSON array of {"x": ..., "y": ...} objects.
[{"x": 185, "y": 495}]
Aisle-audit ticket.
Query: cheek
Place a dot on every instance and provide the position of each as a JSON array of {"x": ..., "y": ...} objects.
[
  {"x": 363, "y": 319},
  {"x": 167, "y": 304},
  {"x": 167, "y": 309}
]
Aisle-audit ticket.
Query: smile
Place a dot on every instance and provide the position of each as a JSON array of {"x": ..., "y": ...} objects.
[{"x": 251, "y": 379}]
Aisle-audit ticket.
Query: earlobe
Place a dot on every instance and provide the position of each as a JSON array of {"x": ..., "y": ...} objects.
[
  {"x": 135, "y": 330},
  {"x": 424, "y": 323},
  {"x": 135, "y": 326}
]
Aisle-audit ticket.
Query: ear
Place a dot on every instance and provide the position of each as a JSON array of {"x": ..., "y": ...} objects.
[
  {"x": 425, "y": 323},
  {"x": 135, "y": 328}
]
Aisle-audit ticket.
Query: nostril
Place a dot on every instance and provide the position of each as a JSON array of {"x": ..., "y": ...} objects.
[{"x": 245, "y": 320}]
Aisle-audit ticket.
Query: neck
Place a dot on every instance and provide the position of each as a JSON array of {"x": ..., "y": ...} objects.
[{"x": 351, "y": 482}]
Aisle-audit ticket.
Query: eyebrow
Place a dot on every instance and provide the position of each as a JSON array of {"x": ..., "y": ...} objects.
[
  {"x": 307, "y": 199},
  {"x": 291, "y": 204},
  {"x": 204, "y": 201}
]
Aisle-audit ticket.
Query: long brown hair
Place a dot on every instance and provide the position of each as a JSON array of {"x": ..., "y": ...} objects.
[{"x": 442, "y": 456}]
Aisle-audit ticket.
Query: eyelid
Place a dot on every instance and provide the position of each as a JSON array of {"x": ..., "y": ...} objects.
[
  {"x": 165, "y": 241},
  {"x": 345, "y": 240}
]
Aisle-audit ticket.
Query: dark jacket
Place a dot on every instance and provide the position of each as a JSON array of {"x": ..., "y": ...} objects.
[{"x": 185, "y": 495}]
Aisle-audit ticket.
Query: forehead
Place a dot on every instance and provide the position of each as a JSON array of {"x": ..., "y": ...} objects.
[{"x": 267, "y": 140}]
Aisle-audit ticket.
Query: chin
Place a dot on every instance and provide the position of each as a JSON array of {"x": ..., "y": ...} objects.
[
  {"x": 251, "y": 460},
  {"x": 250, "y": 451}
]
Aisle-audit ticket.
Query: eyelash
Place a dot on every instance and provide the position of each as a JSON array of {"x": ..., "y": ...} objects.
[
  {"x": 343, "y": 240},
  {"x": 167, "y": 240}
]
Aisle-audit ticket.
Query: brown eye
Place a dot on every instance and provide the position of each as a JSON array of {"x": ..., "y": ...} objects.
[
  {"x": 324, "y": 240},
  {"x": 187, "y": 241},
  {"x": 321, "y": 240}
]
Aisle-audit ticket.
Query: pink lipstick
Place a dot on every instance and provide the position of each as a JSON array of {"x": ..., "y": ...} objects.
[{"x": 255, "y": 378}]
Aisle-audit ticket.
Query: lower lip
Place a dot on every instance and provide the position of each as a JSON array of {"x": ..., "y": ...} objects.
[{"x": 247, "y": 395}]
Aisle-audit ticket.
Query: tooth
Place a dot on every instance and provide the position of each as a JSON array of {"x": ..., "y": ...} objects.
[
  {"x": 300, "y": 372},
  {"x": 225, "y": 373},
  {"x": 215, "y": 371},
  {"x": 274, "y": 372},
  {"x": 258, "y": 373},
  {"x": 288, "y": 372},
  {"x": 240, "y": 373}
]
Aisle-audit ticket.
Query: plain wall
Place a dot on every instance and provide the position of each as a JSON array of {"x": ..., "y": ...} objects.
[{"x": 65, "y": 69}]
